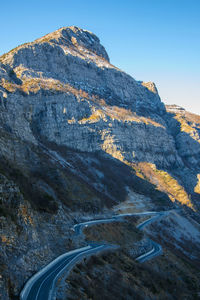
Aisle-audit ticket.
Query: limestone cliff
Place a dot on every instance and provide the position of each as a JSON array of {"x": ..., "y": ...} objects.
[{"x": 78, "y": 135}]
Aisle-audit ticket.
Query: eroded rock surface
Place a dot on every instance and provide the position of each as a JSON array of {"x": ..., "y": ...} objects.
[{"x": 79, "y": 137}]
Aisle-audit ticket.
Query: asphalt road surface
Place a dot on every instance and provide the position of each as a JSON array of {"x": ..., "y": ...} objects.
[{"x": 41, "y": 286}]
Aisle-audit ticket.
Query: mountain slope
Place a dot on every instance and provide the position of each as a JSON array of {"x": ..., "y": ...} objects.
[{"x": 80, "y": 137}]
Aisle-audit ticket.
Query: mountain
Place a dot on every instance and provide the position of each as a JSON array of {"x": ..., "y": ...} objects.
[{"x": 80, "y": 138}]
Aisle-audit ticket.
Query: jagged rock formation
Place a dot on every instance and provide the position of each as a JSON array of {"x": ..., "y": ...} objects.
[
  {"x": 80, "y": 135},
  {"x": 70, "y": 71}
]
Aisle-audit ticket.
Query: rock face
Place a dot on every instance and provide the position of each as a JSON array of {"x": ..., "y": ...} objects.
[
  {"x": 63, "y": 88},
  {"x": 80, "y": 135}
]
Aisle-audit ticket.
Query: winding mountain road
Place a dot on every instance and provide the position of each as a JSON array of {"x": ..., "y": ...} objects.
[
  {"x": 42, "y": 285},
  {"x": 156, "y": 248},
  {"x": 155, "y": 251},
  {"x": 78, "y": 227}
]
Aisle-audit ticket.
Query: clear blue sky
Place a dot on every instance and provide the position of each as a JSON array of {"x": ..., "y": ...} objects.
[{"x": 152, "y": 40}]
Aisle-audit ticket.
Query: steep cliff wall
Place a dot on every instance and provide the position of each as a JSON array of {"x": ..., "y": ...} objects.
[{"x": 79, "y": 136}]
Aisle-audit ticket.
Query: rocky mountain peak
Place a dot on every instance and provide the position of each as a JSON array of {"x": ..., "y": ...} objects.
[
  {"x": 74, "y": 36},
  {"x": 74, "y": 56},
  {"x": 73, "y": 40}
]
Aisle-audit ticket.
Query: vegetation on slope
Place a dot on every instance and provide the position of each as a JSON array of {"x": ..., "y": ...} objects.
[
  {"x": 118, "y": 276},
  {"x": 164, "y": 182}
]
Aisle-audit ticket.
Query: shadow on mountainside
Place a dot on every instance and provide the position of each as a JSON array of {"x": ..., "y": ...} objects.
[{"x": 95, "y": 182}]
